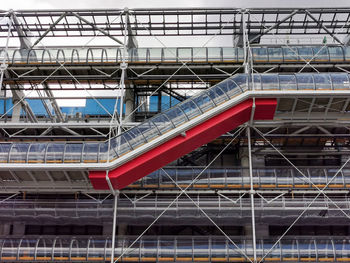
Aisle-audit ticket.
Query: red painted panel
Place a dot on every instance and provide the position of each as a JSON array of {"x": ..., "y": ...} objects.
[{"x": 173, "y": 149}]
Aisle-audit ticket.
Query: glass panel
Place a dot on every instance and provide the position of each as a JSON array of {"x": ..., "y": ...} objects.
[
  {"x": 290, "y": 54},
  {"x": 162, "y": 122},
  {"x": 259, "y": 54},
  {"x": 256, "y": 83},
  {"x": 176, "y": 115},
  {"x": 230, "y": 88},
  {"x": 287, "y": 82},
  {"x": 322, "y": 81},
  {"x": 120, "y": 145},
  {"x": 347, "y": 53},
  {"x": 37, "y": 153},
  {"x": 73, "y": 153},
  {"x": 199, "y": 54},
  {"x": 340, "y": 81},
  {"x": 275, "y": 54},
  {"x": 217, "y": 95},
  {"x": 27, "y": 250},
  {"x": 18, "y": 153},
  {"x": 44, "y": 250},
  {"x": 214, "y": 54},
  {"x": 169, "y": 54},
  {"x": 61, "y": 251},
  {"x": 241, "y": 80},
  {"x": 336, "y": 53},
  {"x": 155, "y": 54},
  {"x": 148, "y": 129},
  {"x": 35, "y": 55},
  {"x": 4, "y": 152},
  {"x": 190, "y": 109},
  {"x": 204, "y": 102},
  {"x": 240, "y": 54},
  {"x": 184, "y": 54},
  {"x": 229, "y": 54},
  {"x": 141, "y": 55},
  {"x": 103, "y": 154},
  {"x": 321, "y": 54},
  {"x": 135, "y": 137},
  {"x": 305, "y": 81},
  {"x": 166, "y": 248},
  {"x": 305, "y": 53},
  {"x": 47, "y": 56},
  {"x": 90, "y": 152},
  {"x": 269, "y": 82},
  {"x": 54, "y": 153}
]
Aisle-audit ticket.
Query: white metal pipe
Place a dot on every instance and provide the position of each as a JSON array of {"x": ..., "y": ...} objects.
[{"x": 252, "y": 192}]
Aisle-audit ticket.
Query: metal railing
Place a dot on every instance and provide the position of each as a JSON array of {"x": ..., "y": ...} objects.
[
  {"x": 271, "y": 54},
  {"x": 185, "y": 249}
]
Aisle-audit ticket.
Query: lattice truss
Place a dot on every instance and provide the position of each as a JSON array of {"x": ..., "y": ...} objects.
[{"x": 25, "y": 74}]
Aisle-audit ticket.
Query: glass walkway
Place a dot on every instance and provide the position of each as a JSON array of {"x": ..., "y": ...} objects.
[{"x": 173, "y": 133}]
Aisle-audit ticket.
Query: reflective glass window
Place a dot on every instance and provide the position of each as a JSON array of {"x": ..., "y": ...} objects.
[
  {"x": 214, "y": 54},
  {"x": 35, "y": 55},
  {"x": 169, "y": 54},
  {"x": 305, "y": 53},
  {"x": 204, "y": 102},
  {"x": 259, "y": 54},
  {"x": 321, "y": 54},
  {"x": 269, "y": 81},
  {"x": 305, "y": 81},
  {"x": 90, "y": 152},
  {"x": 217, "y": 94},
  {"x": 190, "y": 109},
  {"x": 37, "y": 152},
  {"x": 240, "y": 54},
  {"x": 229, "y": 54},
  {"x": 275, "y": 54},
  {"x": 347, "y": 53},
  {"x": 141, "y": 55},
  {"x": 135, "y": 137},
  {"x": 176, "y": 115},
  {"x": 340, "y": 81},
  {"x": 241, "y": 80},
  {"x": 336, "y": 53},
  {"x": 184, "y": 54},
  {"x": 4, "y": 152},
  {"x": 323, "y": 81},
  {"x": 121, "y": 145},
  {"x": 103, "y": 152},
  {"x": 256, "y": 83},
  {"x": 230, "y": 87},
  {"x": 54, "y": 153},
  {"x": 149, "y": 130},
  {"x": 199, "y": 54},
  {"x": 18, "y": 153},
  {"x": 287, "y": 82},
  {"x": 155, "y": 54},
  {"x": 162, "y": 122},
  {"x": 290, "y": 54},
  {"x": 73, "y": 153}
]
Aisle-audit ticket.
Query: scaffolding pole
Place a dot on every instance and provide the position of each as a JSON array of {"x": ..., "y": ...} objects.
[{"x": 252, "y": 192}]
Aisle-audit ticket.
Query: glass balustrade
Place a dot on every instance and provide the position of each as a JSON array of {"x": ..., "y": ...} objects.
[
  {"x": 196, "y": 54},
  {"x": 160, "y": 124},
  {"x": 270, "y": 178},
  {"x": 170, "y": 248}
]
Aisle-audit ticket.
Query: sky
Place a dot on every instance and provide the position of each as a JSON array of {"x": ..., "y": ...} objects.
[{"x": 83, "y": 4}]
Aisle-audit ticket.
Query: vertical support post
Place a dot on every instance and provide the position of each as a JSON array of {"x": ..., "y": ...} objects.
[
  {"x": 115, "y": 208},
  {"x": 3, "y": 66},
  {"x": 245, "y": 53},
  {"x": 252, "y": 192}
]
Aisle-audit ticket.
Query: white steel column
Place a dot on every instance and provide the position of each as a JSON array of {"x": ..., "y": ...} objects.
[
  {"x": 3, "y": 66},
  {"x": 252, "y": 192},
  {"x": 123, "y": 67},
  {"x": 115, "y": 207}
]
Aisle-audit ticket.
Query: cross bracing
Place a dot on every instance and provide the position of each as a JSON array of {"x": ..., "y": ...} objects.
[{"x": 293, "y": 166}]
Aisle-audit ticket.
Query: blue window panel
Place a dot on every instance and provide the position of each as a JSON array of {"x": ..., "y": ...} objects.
[{"x": 153, "y": 104}]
